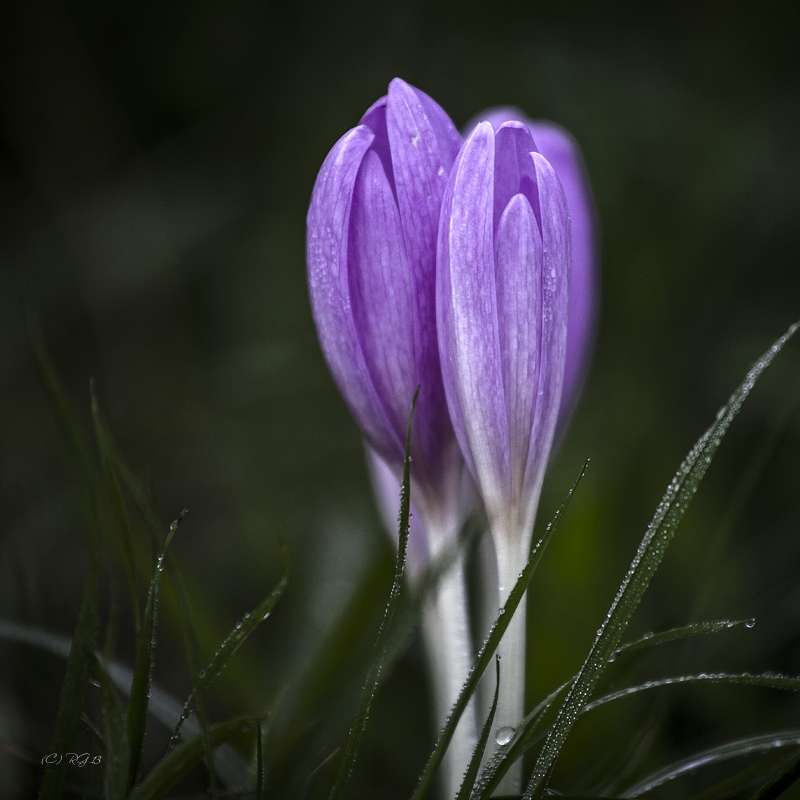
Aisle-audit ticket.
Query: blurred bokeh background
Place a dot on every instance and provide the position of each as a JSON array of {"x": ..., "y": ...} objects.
[{"x": 156, "y": 162}]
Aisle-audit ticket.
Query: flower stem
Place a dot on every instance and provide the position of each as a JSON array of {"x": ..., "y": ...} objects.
[
  {"x": 511, "y": 697},
  {"x": 448, "y": 643}
]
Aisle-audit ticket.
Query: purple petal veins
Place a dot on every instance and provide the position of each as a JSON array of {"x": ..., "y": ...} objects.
[
  {"x": 372, "y": 230},
  {"x": 561, "y": 150}
]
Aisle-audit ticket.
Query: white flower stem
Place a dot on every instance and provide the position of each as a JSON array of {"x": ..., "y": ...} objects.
[
  {"x": 511, "y": 559},
  {"x": 446, "y": 633}
]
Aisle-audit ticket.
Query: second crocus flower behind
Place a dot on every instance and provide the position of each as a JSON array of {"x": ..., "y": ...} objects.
[{"x": 503, "y": 276}]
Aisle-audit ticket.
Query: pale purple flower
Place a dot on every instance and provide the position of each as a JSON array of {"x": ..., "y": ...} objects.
[
  {"x": 503, "y": 302},
  {"x": 563, "y": 153},
  {"x": 371, "y": 251}
]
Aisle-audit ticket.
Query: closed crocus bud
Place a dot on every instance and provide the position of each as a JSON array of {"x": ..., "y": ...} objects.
[
  {"x": 371, "y": 251},
  {"x": 564, "y": 155},
  {"x": 503, "y": 281}
]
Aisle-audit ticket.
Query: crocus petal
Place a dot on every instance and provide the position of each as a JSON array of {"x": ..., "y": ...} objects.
[
  {"x": 424, "y": 144},
  {"x": 328, "y": 225},
  {"x": 554, "y": 319},
  {"x": 375, "y": 119},
  {"x": 518, "y": 265},
  {"x": 513, "y": 143},
  {"x": 378, "y": 268},
  {"x": 561, "y": 150},
  {"x": 466, "y": 301}
]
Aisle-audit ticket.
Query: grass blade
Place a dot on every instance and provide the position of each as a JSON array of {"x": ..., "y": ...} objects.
[
  {"x": 657, "y": 538},
  {"x": 475, "y": 762},
  {"x": 186, "y": 755},
  {"x": 193, "y": 661},
  {"x": 141, "y": 684},
  {"x": 489, "y": 647},
  {"x": 374, "y": 672},
  {"x": 107, "y": 463},
  {"x": 775, "y": 788},
  {"x": 751, "y": 745},
  {"x": 117, "y": 765},
  {"x": 74, "y": 687},
  {"x": 766, "y": 679},
  {"x": 765, "y": 771},
  {"x": 77, "y": 448},
  {"x": 259, "y": 764},
  {"x": 523, "y": 739},
  {"x": 235, "y": 639},
  {"x": 76, "y": 679},
  {"x": 684, "y": 632}
]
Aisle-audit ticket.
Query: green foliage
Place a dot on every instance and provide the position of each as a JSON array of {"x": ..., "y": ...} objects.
[
  {"x": 105, "y": 479},
  {"x": 645, "y": 563},
  {"x": 186, "y": 755}
]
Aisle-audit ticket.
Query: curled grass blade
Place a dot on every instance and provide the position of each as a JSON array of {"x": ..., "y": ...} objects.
[
  {"x": 684, "y": 632},
  {"x": 139, "y": 699},
  {"x": 475, "y": 761},
  {"x": 107, "y": 463},
  {"x": 651, "y": 551},
  {"x": 235, "y": 639},
  {"x": 186, "y": 755},
  {"x": 767, "y": 679},
  {"x": 751, "y": 745},
  {"x": 374, "y": 673},
  {"x": 489, "y": 647}
]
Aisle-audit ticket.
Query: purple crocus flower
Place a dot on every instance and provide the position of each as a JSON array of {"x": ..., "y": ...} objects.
[
  {"x": 502, "y": 301},
  {"x": 371, "y": 252},
  {"x": 503, "y": 280},
  {"x": 563, "y": 153}
]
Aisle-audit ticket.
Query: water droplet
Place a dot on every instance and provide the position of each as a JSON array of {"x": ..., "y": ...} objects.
[
  {"x": 751, "y": 623},
  {"x": 414, "y": 140},
  {"x": 504, "y": 735}
]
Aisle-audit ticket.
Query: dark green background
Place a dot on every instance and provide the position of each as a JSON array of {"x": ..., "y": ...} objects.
[{"x": 156, "y": 161}]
